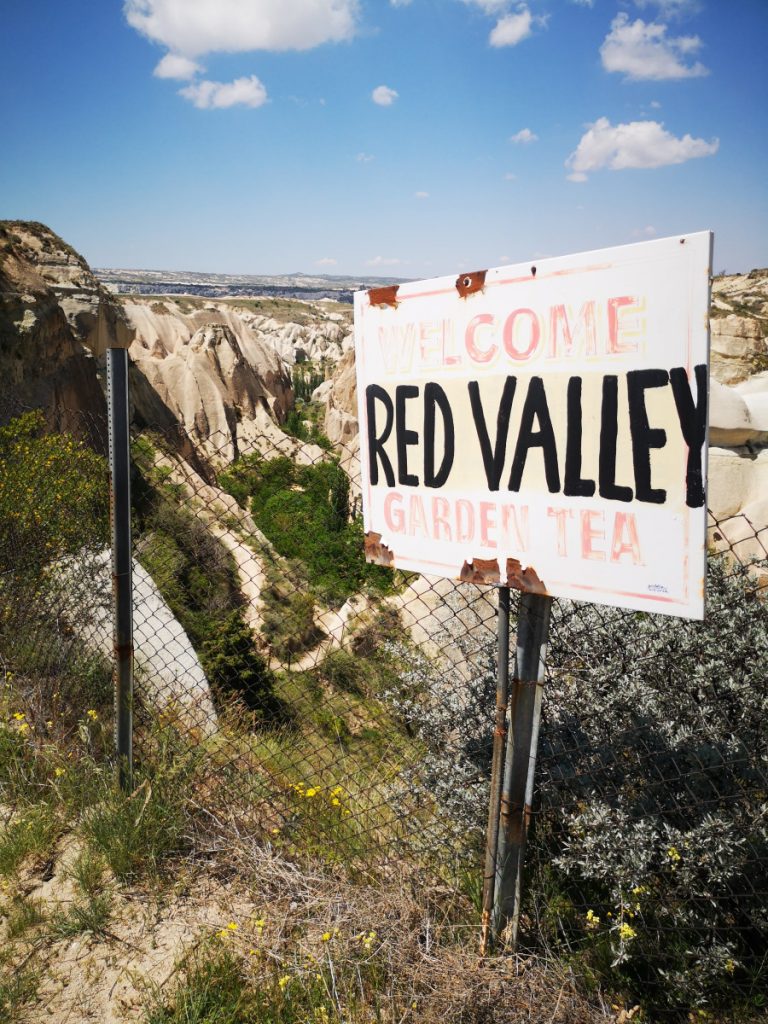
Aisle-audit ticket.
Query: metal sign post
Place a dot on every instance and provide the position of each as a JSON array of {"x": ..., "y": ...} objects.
[
  {"x": 120, "y": 510},
  {"x": 497, "y": 768},
  {"x": 520, "y": 762}
]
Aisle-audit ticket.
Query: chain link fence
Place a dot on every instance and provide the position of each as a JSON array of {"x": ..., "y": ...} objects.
[{"x": 344, "y": 711}]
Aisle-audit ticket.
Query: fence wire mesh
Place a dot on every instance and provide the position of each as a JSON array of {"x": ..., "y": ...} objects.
[{"x": 342, "y": 710}]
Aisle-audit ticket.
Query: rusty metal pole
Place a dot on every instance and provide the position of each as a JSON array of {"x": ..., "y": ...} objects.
[
  {"x": 497, "y": 767},
  {"x": 120, "y": 509},
  {"x": 520, "y": 763}
]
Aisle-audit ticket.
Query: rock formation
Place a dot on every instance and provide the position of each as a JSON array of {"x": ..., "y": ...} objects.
[
  {"x": 56, "y": 322},
  {"x": 324, "y": 340},
  {"x": 738, "y": 421},
  {"x": 169, "y": 675},
  {"x": 220, "y": 382}
]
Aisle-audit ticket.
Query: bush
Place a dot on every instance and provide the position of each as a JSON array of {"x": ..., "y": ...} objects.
[
  {"x": 288, "y": 617},
  {"x": 652, "y": 839},
  {"x": 54, "y": 514},
  {"x": 304, "y": 511},
  {"x": 54, "y": 498},
  {"x": 233, "y": 666}
]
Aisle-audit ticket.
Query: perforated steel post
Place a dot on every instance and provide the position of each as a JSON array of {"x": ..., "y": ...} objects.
[
  {"x": 520, "y": 762},
  {"x": 497, "y": 769},
  {"x": 122, "y": 581}
]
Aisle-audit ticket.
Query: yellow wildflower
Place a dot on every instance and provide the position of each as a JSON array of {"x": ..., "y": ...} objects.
[
  {"x": 730, "y": 966},
  {"x": 626, "y": 932},
  {"x": 93, "y": 715},
  {"x": 327, "y": 936},
  {"x": 312, "y": 791},
  {"x": 592, "y": 920},
  {"x": 58, "y": 772},
  {"x": 285, "y": 981},
  {"x": 24, "y": 727},
  {"x": 673, "y": 853}
]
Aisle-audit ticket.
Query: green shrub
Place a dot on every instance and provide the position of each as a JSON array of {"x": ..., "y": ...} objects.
[
  {"x": 234, "y": 667},
  {"x": 344, "y": 671},
  {"x": 135, "y": 832},
  {"x": 32, "y": 833},
  {"x": 288, "y": 618},
  {"x": 54, "y": 498},
  {"x": 651, "y": 846},
  {"x": 18, "y": 987},
  {"x": 213, "y": 990},
  {"x": 305, "y": 513}
]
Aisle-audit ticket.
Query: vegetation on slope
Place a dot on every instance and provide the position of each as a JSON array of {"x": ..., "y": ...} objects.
[
  {"x": 197, "y": 577},
  {"x": 305, "y": 513}
]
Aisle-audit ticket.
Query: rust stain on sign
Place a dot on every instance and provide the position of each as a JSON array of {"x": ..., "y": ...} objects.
[
  {"x": 386, "y": 296},
  {"x": 468, "y": 284},
  {"x": 375, "y": 551},
  {"x": 480, "y": 570},
  {"x": 526, "y": 580}
]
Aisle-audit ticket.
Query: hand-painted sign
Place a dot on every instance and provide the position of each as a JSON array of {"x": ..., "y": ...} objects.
[{"x": 544, "y": 427}]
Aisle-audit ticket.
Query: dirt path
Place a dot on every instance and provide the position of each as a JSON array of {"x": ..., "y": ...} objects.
[
  {"x": 424, "y": 605},
  {"x": 250, "y": 569},
  {"x": 338, "y": 627}
]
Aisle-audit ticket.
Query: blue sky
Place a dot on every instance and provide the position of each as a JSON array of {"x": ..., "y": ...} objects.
[{"x": 376, "y": 137}]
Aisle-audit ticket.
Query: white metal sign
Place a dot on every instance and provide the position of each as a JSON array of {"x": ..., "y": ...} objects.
[{"x": 544, "y": 426}]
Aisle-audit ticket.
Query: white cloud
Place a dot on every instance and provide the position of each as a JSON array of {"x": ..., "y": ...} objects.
[
  {"x": 672, "y": 8},
  {"x": 383, "y": 261},
  {"x": 195, "y": 27},
  {"x": 364, "y": 158},
  {"x": 509, "y": 176},
  {"x": 639, "y": 144},
  {"x": 248, "y": 92},
  {"x": 490, "y": 6},
  {"x": 399, "y": 3},
  {"x": 384, "y": 96},
  {"x": 649, "y": 231},
  {"x": 512, "y": 29},
  {"x": 421, "y": 195},
  {"x": 326, "y": 261},
  {"x": 173, "y": 65},
  {"x": 524, "y": 136},
  {"x": 512, "y": 26},
  {"x": 643, "y": 50}
]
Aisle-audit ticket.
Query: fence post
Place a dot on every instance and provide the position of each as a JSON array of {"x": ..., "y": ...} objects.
[
  {"x": 122, "y": 582},
  {"x": 497, "y": 767},
  {"x": 520, "y": 762}
]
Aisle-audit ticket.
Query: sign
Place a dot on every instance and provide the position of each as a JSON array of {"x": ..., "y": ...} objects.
[{"x": 544, "y": 426}]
